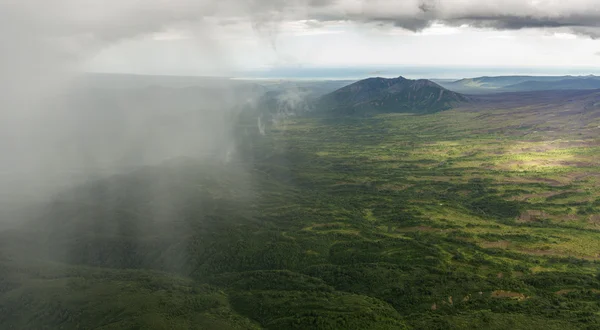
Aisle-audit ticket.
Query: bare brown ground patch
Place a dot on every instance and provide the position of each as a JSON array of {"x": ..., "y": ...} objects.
[
  {"x": 532, "y": 216},
  {"x": 463, "y": 193},
  {"x": 565, "y": 291},
  {"x": 579, "y": 144},
  {"x": 327, "y": 225},
  {"x": 508, "y": 294},
  {"x": 538, "y": 148},
  {"x": 595, "y": 219},
  {"x": 578, "y": 176},
  {"x": 417, "y": 228},
  {"x": 569, "y": 217},
  {"x": 394, "y": 187},
  {"x": 526, "y": 197},
  {"x": 543, "y": 252},
  {"x": 343, "y": 183},
  {"x": 537, "y": 215},
  {"x": 550, "y": 182},
  {"x": 498, "y": 244},
  {"x": 577, "y": 164}
]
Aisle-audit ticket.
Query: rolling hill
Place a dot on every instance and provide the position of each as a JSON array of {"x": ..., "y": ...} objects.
[
  {"x": 564, "y": 84},
  {"x": 397, "y": 95},
  {"x": 499, "y": 84}
]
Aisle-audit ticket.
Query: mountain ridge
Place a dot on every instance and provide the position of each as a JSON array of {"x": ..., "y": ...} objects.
[{"x": 399, "y": 94}]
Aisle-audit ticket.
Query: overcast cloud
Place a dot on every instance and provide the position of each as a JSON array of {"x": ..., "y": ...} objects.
[
  {"x": 88, "y": 23},
  {"x": 37, "y": 33}
]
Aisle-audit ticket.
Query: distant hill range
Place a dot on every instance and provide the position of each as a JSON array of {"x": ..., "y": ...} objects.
[
  {"x": 483, "y": 85},
  {"x": 583, "y": 83},
  {"x": 377, "y": 95}
]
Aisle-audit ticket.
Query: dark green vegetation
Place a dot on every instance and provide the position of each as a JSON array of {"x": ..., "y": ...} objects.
[
  {"x": 398, "y": 95},
  {"x": 483, "y": 217}
]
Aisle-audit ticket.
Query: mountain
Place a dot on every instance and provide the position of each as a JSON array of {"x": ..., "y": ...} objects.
[
  {"x": 499, "y": 84},
  {"x": 391, "y": 95},
  {"x": 581, "y": 83}
]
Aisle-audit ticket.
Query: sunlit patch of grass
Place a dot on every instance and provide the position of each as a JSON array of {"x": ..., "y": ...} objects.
[
  {"x": 368, "y": 214},
  {"x": 582, "y": 245},
  {"x": 323, "y": 153},
  {"x": 508, "y": 294}
]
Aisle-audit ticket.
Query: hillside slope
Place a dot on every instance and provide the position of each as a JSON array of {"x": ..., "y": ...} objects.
[{"x": 400, "y": 95}]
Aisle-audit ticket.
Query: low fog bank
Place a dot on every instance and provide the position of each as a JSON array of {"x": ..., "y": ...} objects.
[
  {"x": 103, "y": 125},
  {"x": 136, "y": 176},
  {"x": 97, "y": 126}
]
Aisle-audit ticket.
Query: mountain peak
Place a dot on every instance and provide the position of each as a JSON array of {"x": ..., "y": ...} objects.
[{"x": 391, "y": 95}]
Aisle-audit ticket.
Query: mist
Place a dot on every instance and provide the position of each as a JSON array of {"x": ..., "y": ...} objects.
[
  {"x": 124, "y": 171},
  {"x": 61, "y": 127}
]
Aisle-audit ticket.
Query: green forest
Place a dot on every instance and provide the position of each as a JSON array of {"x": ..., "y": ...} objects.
[{"x": 456, "y": 220}]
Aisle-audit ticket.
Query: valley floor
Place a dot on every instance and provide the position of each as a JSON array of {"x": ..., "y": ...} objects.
[{"x": 465, "y": 219}]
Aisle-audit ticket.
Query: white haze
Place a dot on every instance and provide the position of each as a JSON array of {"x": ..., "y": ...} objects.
[{"x": 57, "y": 130}]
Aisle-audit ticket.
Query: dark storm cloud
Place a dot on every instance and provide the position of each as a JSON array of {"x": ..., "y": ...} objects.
[
  {"x": 578, "y": 16},
  {"x": 427, "y": 5},
  {"x": 511, "y": 22},
  {"x": 83, "y": 25}
]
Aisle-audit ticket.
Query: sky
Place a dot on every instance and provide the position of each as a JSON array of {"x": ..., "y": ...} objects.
[
  {"x": 300, "y": 44},
  {"x": 232, "y": 37}
]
